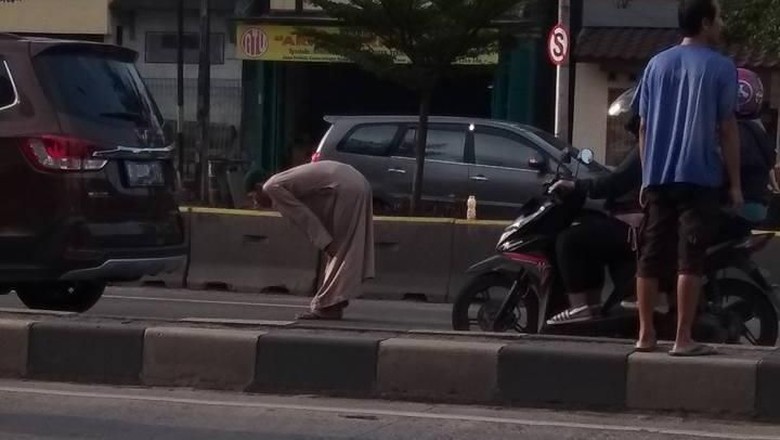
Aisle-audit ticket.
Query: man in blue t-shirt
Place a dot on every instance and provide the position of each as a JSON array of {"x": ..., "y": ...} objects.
[{"x": 688, "y": 138}]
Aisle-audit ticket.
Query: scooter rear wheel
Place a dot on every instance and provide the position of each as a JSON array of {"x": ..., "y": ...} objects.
[
  {"x": 747, "y": 309},
  {"x": 480, "y": 299}
]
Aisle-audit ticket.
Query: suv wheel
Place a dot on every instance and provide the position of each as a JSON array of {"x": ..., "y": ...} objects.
[{"x": 65, "y": 297}]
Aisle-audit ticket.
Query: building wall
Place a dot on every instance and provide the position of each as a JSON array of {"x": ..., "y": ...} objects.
[
  {"x": 161, "y": 78},
  {"x": 591, "y": 103},
  {"x": 590, "y": 95},
  {"x": 76, "y": 17}
]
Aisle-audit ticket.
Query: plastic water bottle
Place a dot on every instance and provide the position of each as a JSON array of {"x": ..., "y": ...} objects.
[{"x": 471, "y": 208}]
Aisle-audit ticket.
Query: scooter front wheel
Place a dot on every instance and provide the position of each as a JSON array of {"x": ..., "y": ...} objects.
[{"x": 479, "y": 301}]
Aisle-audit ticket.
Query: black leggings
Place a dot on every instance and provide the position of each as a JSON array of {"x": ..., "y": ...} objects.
[{"x": 584, "y": 250}]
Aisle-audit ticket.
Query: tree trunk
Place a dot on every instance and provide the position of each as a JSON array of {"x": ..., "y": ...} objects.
[{"x": 422, "y": 140}]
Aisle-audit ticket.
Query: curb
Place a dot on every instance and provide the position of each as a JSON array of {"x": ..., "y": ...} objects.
[{"x": 529, "y": 371}]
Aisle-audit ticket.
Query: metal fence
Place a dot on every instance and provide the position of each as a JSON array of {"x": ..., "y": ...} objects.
[{"x": 225, "y": 149}]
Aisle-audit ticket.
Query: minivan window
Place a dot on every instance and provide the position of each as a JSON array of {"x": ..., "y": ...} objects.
[
  {"x": 494, "y": 149},
  {"x": 444, "y": 144},
  {"x": 98, "y": 88},
  {"x": 7, "y": 92},
  {"x": 372, "y": 140}
]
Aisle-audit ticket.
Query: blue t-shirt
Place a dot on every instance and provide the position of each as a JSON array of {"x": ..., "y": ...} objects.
[{"x": 685, "y": 93}]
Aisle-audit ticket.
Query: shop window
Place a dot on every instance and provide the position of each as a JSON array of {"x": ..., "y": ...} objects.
[{"x": 161, "y": 47}]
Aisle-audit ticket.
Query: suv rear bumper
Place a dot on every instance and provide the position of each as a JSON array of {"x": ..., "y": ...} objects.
[{"x": 127, "y": 269}]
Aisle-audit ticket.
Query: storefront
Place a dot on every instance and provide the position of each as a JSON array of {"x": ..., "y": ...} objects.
[{"x": 289, "y": 86}]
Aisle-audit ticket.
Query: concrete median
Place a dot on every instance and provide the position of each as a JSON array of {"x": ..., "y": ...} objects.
[
  {"x": 412, "y": 259},
  {"x": 768, "y": 386},
  {"x": 472, "y": 243},
  {"x": 198, "y": 357},
  {"x": 723, "y": 383},
  {"x": 532, "y": 371},
  {"x": 81, "y": 352},
  {"x": 432, "y": 369},
  {"x": 14, "y": 341},
  {"x": 251, "y": 251},
  {"x": 591, "y": 375},
  {"x": 316, "y": 363}
]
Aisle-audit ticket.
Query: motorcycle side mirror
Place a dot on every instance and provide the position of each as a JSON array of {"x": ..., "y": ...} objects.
[
  {"x": 586, "y": 156},
  {"x": 538, "y": 164}
]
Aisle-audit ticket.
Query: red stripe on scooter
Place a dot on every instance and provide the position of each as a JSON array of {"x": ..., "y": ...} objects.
[{"x": 526, "y": 258}]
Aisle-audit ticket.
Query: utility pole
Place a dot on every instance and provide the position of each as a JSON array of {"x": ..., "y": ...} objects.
[
  {"x": 180, "y": 87},
  {"x": 204, "y": 91},
  {"x": 562, "y": 79}
]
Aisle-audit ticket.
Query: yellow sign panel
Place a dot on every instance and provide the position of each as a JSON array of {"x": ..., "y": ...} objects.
[
  {"x": 282, "y": 43},
  {"x": 86, "y": 17}
]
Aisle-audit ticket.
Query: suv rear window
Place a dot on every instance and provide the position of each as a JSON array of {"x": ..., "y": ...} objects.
[
  {"x": 97, "y": 87},
  {"x": 372, "y": 140}
]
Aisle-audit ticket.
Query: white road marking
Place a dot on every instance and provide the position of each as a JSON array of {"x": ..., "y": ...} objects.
[
  {"x": 264, "y": 322},
  {"x": 203, "y": 301},
  {"x": 390, "y": 413}
]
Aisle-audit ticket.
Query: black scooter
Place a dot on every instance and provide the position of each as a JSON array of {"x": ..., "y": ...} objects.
[{"x": 520, "y": 287}]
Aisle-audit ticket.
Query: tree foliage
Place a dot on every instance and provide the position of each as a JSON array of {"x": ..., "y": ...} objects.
[
  {"x": 753, "y": 22},
  {"x": 431, "y": 36}
]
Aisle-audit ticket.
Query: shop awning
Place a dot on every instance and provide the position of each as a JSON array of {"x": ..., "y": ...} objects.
[{"x": 637, "y": 45}]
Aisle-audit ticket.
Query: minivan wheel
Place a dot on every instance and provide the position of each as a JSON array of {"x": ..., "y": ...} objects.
[{"x": 76, "y": 297}]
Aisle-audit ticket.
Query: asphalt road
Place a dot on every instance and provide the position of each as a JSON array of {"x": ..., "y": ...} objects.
[
  {"x": 183, "y": 304},
  {"x": 38, "y": 411}
]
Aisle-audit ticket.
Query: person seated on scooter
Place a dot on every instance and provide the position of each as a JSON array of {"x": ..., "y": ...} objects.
[
  {"x": 584, "y": 250},
  {"x": 757, "y": 156}
]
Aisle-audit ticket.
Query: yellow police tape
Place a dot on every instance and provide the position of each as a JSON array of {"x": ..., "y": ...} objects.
[{"x": 255, "y": 213}]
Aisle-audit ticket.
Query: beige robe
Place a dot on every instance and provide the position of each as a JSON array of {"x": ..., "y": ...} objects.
[{"x": 332, "y": 203}]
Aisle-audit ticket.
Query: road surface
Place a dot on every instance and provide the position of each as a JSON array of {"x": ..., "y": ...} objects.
[
  {"x": 181, "y": 304},
  {"x": 38, "y": 411}
]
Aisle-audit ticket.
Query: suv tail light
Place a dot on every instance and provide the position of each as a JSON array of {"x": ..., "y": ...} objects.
[
  {"x": 316, "y": 157},
  {"x": 61, "y": 153}
]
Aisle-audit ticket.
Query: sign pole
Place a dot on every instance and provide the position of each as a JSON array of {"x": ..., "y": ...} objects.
[
  {"x": 562, "y": 78},
  {"x": 204, "y": 90},
  {"x": 180, "y": 86}
]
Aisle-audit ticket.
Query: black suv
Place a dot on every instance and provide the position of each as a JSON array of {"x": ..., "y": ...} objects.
[
  {"x": 86, "y": 174},
  {"x": 503, "y": 164}
]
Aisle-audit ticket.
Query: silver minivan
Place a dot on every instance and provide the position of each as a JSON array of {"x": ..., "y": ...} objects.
[{"x": 502, "y": 164}]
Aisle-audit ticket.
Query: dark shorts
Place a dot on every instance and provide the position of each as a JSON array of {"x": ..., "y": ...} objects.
[{"x": 681, "y": 222}]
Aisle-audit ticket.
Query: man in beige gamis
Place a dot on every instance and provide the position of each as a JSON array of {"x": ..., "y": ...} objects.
[{"x": 332, "y": 203}]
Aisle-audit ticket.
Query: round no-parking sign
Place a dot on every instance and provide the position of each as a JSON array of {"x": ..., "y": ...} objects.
[{"x": 558, "y": 45}]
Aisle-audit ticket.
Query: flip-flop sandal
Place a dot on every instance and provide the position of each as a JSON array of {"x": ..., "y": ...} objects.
[
  {"x": 694, "y": 350},
  {"x": 647, "y": 348},
  {"x": 576, "y": 314},
  {"x": 313, "y": 316}
]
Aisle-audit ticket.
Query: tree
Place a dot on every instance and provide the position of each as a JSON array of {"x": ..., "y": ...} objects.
[
  {"x": 753, "y": 22},
  {"x": 426, "y": 36}
]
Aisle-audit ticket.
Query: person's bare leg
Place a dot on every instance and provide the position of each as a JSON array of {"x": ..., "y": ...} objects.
[
  {"x": 586, "y": 298},
  {"x": 688, "y": 290},
  {"x": 646, "y": 292}
]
